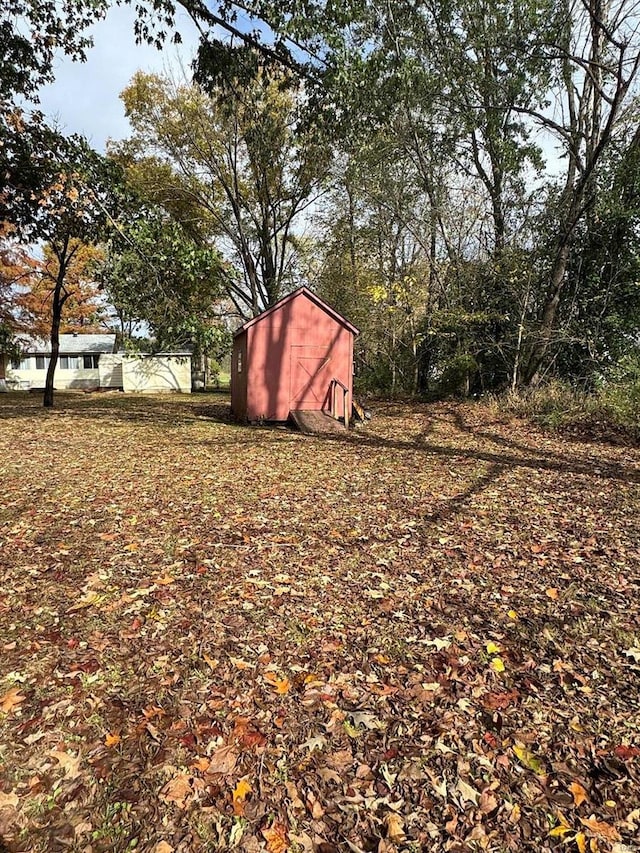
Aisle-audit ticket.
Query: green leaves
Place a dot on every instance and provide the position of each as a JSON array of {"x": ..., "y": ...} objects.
[{"x": 155, "y": 274}]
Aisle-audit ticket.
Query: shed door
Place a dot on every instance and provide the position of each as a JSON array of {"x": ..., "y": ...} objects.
[{"x": 310, "y": 377}]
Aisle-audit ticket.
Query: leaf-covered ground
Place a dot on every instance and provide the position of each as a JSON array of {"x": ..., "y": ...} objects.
[{"x": 422, "y": 636}]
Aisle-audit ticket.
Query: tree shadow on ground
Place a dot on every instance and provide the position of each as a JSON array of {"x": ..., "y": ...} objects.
[
  {"x": 120, "y": 407},
  {"x": 522, "y": 456},
  {"x": 176, "y": 411}
]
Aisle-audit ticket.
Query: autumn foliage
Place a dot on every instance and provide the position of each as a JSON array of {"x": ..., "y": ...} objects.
[{"x": 83, "y": 310}]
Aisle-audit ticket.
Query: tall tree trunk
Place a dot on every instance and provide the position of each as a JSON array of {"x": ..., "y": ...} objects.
[
  {"x": 549, "y": 314},
  {"x": 592, "y": 114},
  {"x": 60, "y": 296}
]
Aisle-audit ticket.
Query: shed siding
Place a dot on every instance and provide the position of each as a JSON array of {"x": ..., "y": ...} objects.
[{"x": 292, "y": 354}]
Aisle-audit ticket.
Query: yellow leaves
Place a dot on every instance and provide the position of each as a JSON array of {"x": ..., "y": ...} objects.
[
  {"x": 597, "y": 828},
  {"x": 240, "y": 793},
  {"x": 581, "y": 841},
  {"x": 562, "y": 829},
  {"x": 529, "y": 760},
  {"x": 512, "y": 614},
  {"x": 89, "y": 600},
  {"x": 276, "y": 837},
  {"x": 496, "y": 664},
  {"x": 559, "y": 831},
  {"x": 11, "y": 699},
  {"x": 552, "y": 593},
  {"x": 111, "y": 739}
]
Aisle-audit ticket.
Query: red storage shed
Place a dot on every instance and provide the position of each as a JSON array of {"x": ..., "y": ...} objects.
[{"x": 296, "y": 355}]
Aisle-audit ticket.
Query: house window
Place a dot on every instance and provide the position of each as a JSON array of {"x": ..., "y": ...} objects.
[
  {"x": 90, "y": 362},
  {"x": 42, "y": 363},
  {"x": 239, "y": 361},
  {"x": 69, "y": 362},
  {"x": 21, "y": 363}
]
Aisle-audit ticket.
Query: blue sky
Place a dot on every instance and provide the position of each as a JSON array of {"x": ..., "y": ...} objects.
[{"x": 85, "y": 96}]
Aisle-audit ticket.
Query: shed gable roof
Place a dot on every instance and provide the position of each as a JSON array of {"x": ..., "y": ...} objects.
[{"x": 301, "y": 291}]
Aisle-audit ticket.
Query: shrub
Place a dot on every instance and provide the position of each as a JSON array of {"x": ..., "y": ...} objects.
[
  {"x": 610, "y": 412},
  {"x": 619, "y": 395},
  {"x": 551, "y": 405}
]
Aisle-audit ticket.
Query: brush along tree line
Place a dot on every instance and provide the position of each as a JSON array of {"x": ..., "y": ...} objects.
[{"x": 458, "y": 178}]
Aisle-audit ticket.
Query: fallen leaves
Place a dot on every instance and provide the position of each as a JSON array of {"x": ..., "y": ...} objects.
[
  {"x": 11, "y": 700},
  {"x": 8, "y": 800},
  {"x": 280, "y": 685},
  {"x": 223, "y": 760},
  {"x": 240, "y": 793},
  {"x": 269, "y": 659},
  {"x": 579, "y": 793},
  {"x": 528, "y": 759},
  {"x": 276, "y": 837},
  {"x": 91, "y": 599},
  {"x": 468, "y": 792},
  {"x": 69, "y": 762},
  {"x": 177, "y": 790},
  {"x": 395, "y": 828},
  {"x": 601, "y": 829}
]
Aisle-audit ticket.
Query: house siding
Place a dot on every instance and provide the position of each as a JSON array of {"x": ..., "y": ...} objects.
[
  {"x": 33, "y": 377},
  {"x": 110, "y": 370},
  {"x": 156, "y": 374}
]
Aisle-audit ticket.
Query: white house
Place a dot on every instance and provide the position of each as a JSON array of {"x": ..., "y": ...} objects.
[
  {"x": 89, "y": 362},
  {"x": 78, "y": 362}
]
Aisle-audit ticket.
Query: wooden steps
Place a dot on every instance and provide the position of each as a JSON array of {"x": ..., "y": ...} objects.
[{"x": 313, "y": 422}]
